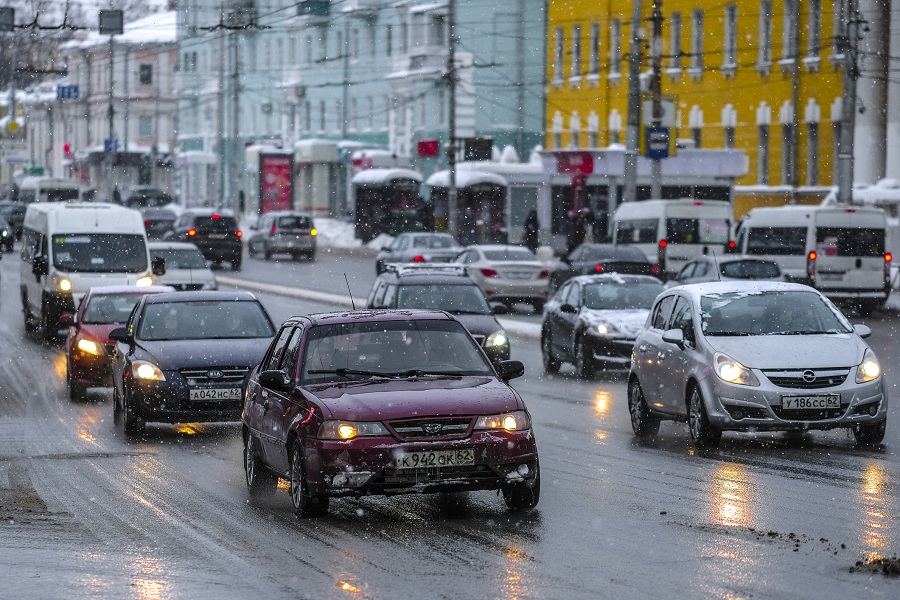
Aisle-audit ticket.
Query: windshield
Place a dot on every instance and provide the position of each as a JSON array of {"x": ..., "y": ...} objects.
[
  {"x": 186, "y": 258},
  {"x": 697, "y": 231},
  {"x": 750, "y": 269},
  {"x": 616, "y": 296},
  {"x": 359, "y": 351},
  {"x": 58, "y": 195},
  {"x": 294, "y": 222},
  {"x": 100, "y": 253},
  {"x": 109, "y": 308},
  {"x": 460, "y": 299},
  {"x": 204, "y": 320},
  {"x": 433, "y": 241},
  {"x": 510, "y": 254},
  {"x": 776, "y": 241},
  {"x": 769, "y": 313},
  {"x": 850, "y": 241}
]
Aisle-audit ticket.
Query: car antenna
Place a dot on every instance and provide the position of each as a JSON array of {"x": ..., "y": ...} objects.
[
  {"x": 352, "y": 303},
  {"x": 716, "y": 265}
]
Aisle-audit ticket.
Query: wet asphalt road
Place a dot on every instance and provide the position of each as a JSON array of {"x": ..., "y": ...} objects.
[{"x": 85, "y": 513}]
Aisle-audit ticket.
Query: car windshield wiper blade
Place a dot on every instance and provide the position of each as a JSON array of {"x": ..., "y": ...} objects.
[
  {"x": 798, "y": 332},
  {"x": 422, "y": 373},
  {"x": 346, "y": 372},
  {"x": 728, "y": 333},
  {"x": 468, "y": 312}
]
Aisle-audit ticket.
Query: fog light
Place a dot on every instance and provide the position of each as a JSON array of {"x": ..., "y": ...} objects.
[
  {"x": 522, "y": 470},
  {"x": 873, "y": 410},
  {"x": 737, "y": 414}
]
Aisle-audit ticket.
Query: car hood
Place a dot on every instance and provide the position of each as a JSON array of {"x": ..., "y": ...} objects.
[
  {"x": 381, "y": 400},
  {"x": 479, "y": 324},
  {"x": 172, "y": 355},
  {"x": 628, "y": 322},
  {"x": 792, "y": 351},
  {"x": 98, "y": 331},
  {"x": 197, "y": 275}
]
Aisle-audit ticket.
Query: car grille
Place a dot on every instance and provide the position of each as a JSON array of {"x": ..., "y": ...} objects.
[
  {"x": 187, "y": 286},
  {"x": 809, "y": 415},
  {"x": 440, "y": 428},
  {"x": 202, "y": 376},
  {"x": 807, "y": 379}
]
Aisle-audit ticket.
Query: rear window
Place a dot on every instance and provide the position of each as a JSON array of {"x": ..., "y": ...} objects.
[
  {"x": 637, "y": 231},
  {"x": 434, "y": 241},
  {"x": 294, "y": 222},
  {"x": 509, "y": 254},
  {"x": 215, "y": 223},
  {"x": 697, "y": 231},
  {"x": 850, "y": 241},
  {"x": 106, "y": 309},
  {"x": 750, "y": 269},
  {"x": 181, "y": 258},
  {"x": 777, "y": 241}
]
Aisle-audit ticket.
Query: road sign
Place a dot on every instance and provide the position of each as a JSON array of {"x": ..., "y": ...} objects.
[
  {"x": 14, "y": 152},
  {"x": 67, "y": 92},
  {"x": 657, "y": 142},
  {"x": 110, "y": 145}
]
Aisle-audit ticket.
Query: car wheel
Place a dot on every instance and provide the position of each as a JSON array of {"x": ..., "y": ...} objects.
[
  {"x": 26, "y": 315},
  {"x": 267, "y": 253},
  {"x": 305, "y": 504},
  {"x": 523, "y": 495},
  {"x": 703, "y": 434},
  {"x": 48, "y": 324},
  {"x": 236, "y": 264},
  {"x": 260, "y": 481},
  {"x": 538, "y": 306},
  {"x": 117, "y": 405},
  {"x": 77, "y": 393},
  {"x": 584, "y": 361},
  {"x": 131, "y": 424},
  {"x": 871, "y": 434},
  {"x": 551, "y": 363},
  {"x": 642, "y": 422}
]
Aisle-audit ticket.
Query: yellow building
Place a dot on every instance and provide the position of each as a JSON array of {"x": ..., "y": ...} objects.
[{"x": 764, "y": 76}]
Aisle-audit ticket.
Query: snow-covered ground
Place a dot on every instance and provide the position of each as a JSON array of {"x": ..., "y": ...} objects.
[{"x": 335, "y": 233}]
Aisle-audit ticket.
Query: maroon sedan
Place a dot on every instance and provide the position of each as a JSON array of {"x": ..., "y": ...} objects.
[
  {"x": 385, "y": 402},
  {"x": 88, "y": 346}
]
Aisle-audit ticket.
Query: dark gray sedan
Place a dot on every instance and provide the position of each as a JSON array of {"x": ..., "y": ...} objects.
[{"x": 418, "y": 248}]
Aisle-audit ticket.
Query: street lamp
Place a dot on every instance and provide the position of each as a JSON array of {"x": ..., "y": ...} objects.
[{"x": 111, "y": 24}]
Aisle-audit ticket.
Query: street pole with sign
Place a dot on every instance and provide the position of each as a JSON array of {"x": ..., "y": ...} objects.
[{"x": 111, "y": 24}]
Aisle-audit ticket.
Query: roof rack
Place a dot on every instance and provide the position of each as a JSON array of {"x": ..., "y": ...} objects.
[{"x": 425, "y": 269}]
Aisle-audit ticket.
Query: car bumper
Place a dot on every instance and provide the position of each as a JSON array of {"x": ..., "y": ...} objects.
[
  {"x": 610, "y": 351},
  {"x": 90, "y": 370},
  {"x": 513, "y": 290},
  {"x": 367, "y": 465},
  {"x": 293, "y": 245},
  {"x": 219, "y": 251},
  {"x": 169, "y": 401},
  {"x": 738, "y": 407}
]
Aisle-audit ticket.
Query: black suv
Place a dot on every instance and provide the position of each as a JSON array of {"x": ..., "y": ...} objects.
[
  {"x": 216, "y": 233},
  {"x": 447, "y": 288}
]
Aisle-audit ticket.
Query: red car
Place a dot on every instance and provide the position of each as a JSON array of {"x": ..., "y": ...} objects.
[
  {"x": 88, "y": 347},
  {"x": 385, "y": 402}
]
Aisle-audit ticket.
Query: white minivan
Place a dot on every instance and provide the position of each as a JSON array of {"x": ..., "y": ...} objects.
[
  {"x": 68, "y": 248},
  {"x": 672, "y": 232},
  {"x": 839, "y": 250}
]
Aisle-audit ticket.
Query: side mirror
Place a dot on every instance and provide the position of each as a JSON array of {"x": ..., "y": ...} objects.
[
  {"x": 40, "y": 266},
  {"x": 510, "y": 369},
  {"x": 568, "y": 308},
  {"x": 499, "y": 309},
  {"x": 862, "y": 331},
  {"x": 158, "y": 265},
  {"x": 120, "y": 334},
  {"x": 674, "y": 336},
  {"x": 66, "y": 319},
  {"x": 274, "y": 380}
]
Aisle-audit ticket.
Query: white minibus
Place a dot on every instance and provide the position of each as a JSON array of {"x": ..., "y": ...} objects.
[{"x": 48, "y": 189}]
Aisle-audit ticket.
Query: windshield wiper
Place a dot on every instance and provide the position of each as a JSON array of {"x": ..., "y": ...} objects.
[
  {"x": 421, "y": 373},
  {"x": 798, "y": 332},
  {"x": 346, "y": 372},
  {"x": 728, "y": 333}
]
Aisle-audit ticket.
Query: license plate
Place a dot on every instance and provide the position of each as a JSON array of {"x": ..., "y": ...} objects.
[
  {"x": 518, "y": 275},
  {"x": 436, "y": 458},
  {"x": 216, "y": 394},
  {"x": 810, "y": 402},
  {"x": 218, "y": 236}
]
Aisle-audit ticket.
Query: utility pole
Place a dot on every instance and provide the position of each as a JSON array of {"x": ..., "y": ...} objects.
[
  {"x": 795, "y": 117},
  {"x": 656, "y": 94},
  {"x": 345, "y": 58},
  {"x": 634, "y": 107},
  {"x": 520, "y": 79},
  {"x": 848, "y": 47},
  {"x": 452, "y": 208},
  {"x": 235, "y": 118},
  {"x": 110, "y": 112},
  {"x": 125, "y": 85},
  {"x": 220, "y": 116}
]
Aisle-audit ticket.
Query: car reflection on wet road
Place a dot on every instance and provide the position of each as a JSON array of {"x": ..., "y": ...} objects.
[{"x": 86, "y": 513}]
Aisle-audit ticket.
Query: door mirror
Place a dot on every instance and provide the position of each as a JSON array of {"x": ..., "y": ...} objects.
[
  {"x": 499, "y": 309},
  {"x": 40, "y": 266},
  {"x": 510, "y": 369},
  {"x": 565, "y": 260},
  {"x": 66, "y": 319},
  {"x": 274, "y": 380},
  {"x": 674, "y": 336},
  {"x": 862, "y": 331},
  {"x": 568, "y": 309},
  {"x": 120, "y": 334},
  {"x": 158, "y": 265}
]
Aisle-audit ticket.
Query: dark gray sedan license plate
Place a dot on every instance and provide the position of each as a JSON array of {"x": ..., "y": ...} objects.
[
  {"x": 810, "y": 402},
  {"x": 436, "y": 458}
]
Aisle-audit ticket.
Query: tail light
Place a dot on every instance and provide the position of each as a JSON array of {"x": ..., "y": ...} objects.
[
  {"x": 273, "y": 231},
  {"x": 489, "y": 273},
  {"x": 811, "y": 267},
  {"x": 215, "y": 216},
  {"x": 192, "y": 232},
  {"x": 239, "y": 233},
  {"x": 418, "y": 259},
  {"x": 888, "y": 257},
  {"x": 543, "y": 274},
  {"x": 146, "y": 223},
  {"x": 598, "y": 268},
  {"x": 732, "y": 247},
  {"x": 661, "y": 255}
]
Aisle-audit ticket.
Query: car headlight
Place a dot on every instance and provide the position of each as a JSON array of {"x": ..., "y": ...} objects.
[
  {"x": 144, "y": 281},
  {"x": 497, "y": 339},
  {"x": 64, "y": 284},
  {"x": 513, "y": 421},
  {"x": 141, "y": 369},
  {"x": 347, "y": 430},
  {"x": 88, "y": 346},
  {"x": 605, "y": 328},
  {"x": 868, "y": 369},
  {"x": 732, "y": 371},
  {"x": 4, "y": 233}
]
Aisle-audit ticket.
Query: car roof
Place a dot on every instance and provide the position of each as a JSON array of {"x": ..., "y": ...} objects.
[
  {"x": 731, "y": 258},
  {"x": 129, "y": 289},
  {"x": 615, "y": 278},
  {"x": 617, "y": 251},
  {"x": 201, "y": 296},
  {"x": 286, "y": 213},
  {"x": 370, "y": 316},
  {"x": 172, "y": 246},
  {"x": 203, "y": 211},
  {"x": 696, "y": 290}
]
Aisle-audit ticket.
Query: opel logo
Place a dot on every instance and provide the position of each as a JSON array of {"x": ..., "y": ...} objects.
[
  {"x": 432, "y": 428},
  {"x": 215, "y": 374},
  {"x": 809, "y": 376}
]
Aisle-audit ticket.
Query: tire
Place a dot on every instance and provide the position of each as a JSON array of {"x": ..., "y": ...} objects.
[
  {"x": 236, "y": 264},
  {"x": 642, "y": 422},
  {"x": 131, "y": 424},
  {"x": 28, "y": 321},
  {"x": 305, "y": 504},
  {"x": 703, "y": 434},
  {"x": 48, "y": 324},
  {"x": 871, "y": 434},
  {"x": 260, "y": 482},
  {"x": 77, "y": 393},
  {"x": 551, "y": 363},
  {"x": 117, "y": 406},
  {"x": 267, "y": 253},
  {"x": 538, "y": 306},
  {"x": 523, "y": 495},
  {"x": 311, "y": 256},
  {"x": 584, "y": 364}
]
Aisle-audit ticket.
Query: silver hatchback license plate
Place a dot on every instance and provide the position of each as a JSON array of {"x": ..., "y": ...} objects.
[
  {"x": 810, "y": 402},
  {"x": 216, "y": 394},
  {"x": 436, "y": 458}
]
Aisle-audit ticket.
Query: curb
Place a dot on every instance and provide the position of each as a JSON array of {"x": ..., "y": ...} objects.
[{"x": 518, "y": 328}]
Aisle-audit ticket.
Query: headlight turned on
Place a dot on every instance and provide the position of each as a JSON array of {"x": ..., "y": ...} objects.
[
  {"x": 144, "y": 281},
  {"x": 88, "y": 346},
  {"x": 605, "y": 329},
  {"x": 147, "y": 371},
  {"x": 732, "y": 371},
  {"x": 868, "y": 369},
  {"x": 497, "y": 339},
  {"x": 513, "y": 421},
  {"x": 347, "y": 430}
]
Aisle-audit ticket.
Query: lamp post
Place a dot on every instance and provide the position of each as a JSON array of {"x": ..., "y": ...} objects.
[{"x": 111, "y": 24}]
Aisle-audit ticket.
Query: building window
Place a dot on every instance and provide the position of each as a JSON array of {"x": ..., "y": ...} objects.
[
  {"x": 762, "y": 164},
  {"x": 307, "y": 118},
  {"x": 354, "y": 43},
  {"x": 340, "y": 53},
  {"x": 340, "y": 119},
  {"x": 840, "y": 17},
  {"x": 404, "y": 38},
  {"x": 814, "y": 26},
  {"x": 675, "y": 41},
  {"x": 323, "y": 45},
  {"x": 787, "y": 154},
  {"x": 615, "y": 47},
  {"x": 558, "y": 40},
  {"x": 789, "y": 31},
  {"x": 145, "y": 74},
  {"x": 592, "y": 138},
  {"x": 321, "y": 115},
  {"x": 730, "y": 47},
  {"x": 575, "y": 64},
  {"x": 765, "y": 33},
  {"x": 373, "y": 42},
  {"x": 697, "y": 41},
  {"x": 292, "y": 50},
  {"x": 371, "y": 120},
  {"x": 388, "y": 39},
  {"x": 594, "y": 65},
  {"x": 812, "y": 153},
  {"x": 279, "y": 54},
  {"x": 437, "y": 34},
  {"x": 386, "y": 115},
  {"x": 697, "y": 136},
  {"x": 145, "y": 127},
  {"x": 309, "y": 50},
  {"x": 420, "y": 117}
]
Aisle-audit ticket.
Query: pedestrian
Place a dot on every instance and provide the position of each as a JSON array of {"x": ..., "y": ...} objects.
[
  {"x": 588, "y": 218},
  {"x": 531, "y": 236},
  {"x": 116, "y": 195}
]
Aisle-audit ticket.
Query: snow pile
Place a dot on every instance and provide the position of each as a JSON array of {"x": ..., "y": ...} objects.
[{"x": 335, "y": 233}]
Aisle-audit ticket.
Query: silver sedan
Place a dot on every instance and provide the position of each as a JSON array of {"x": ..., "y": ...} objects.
[
  {"x": 507, "y": 274},
  {"x": 754, "y": 356}
]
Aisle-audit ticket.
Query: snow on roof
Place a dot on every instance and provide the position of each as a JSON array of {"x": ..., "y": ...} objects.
[
  {"x": 158, "y": 28},
  {"x": 465, "y": 178},
  {"x": 375, "y": 176}
]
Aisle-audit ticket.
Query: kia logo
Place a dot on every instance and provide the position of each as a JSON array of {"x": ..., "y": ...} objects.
[
  {"x": 215, "y": 374},
  {"x": 809, "y": 376}
]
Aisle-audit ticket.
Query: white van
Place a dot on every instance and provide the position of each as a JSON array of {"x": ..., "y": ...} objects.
[
  {"x": 68, "y": 248},
  {"x": 839, "y": 250},
  {"x": 48, "y": 189},
  {"x": 672, "y": 232}
]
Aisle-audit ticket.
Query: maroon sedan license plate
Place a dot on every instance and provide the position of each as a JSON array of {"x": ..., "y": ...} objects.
[{"x": 436, "y": 458}]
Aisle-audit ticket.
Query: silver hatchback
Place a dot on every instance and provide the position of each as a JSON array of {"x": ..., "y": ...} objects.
[
  {"x": 283, "y": 232},
  {"x": 754, "y": 355}
]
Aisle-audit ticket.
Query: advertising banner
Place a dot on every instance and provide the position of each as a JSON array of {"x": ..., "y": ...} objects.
[{"x": 276, "y": 180}]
